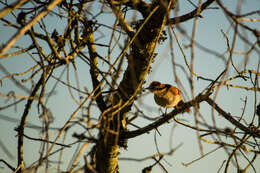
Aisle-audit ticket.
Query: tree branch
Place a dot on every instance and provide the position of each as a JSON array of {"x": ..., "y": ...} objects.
[
  {"x": 24, "y": 29},
  {"x": 94, "y": 72},
  {"x": 7, "y": 164},
  {"x": 12, "y": 7},
  {"x": 21, "y": 127},
  {"x": 165, "y": 118},
  {"x": 188, "y": 16},
  {"x": 233, "y": 121}
]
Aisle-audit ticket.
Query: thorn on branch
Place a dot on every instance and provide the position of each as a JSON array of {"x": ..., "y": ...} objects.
[
  {"x": 147, "y": 169},
  {"x": 258, "y": 110},
  {"x": 21, "y": 18},
  {"x": 257, "y": 34}
]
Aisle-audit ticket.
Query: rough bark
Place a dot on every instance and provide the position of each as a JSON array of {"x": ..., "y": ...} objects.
[{"x": 138, "y": 66}]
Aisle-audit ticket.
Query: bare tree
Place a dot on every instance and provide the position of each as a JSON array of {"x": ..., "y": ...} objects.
[{"x": 116, "y": 42}]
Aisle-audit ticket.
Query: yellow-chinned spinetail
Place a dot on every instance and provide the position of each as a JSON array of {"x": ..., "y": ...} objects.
[{"x": 166, "y": 95}]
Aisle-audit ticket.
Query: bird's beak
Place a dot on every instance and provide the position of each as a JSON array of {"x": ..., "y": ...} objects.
[{"x": 147, "y": 88}]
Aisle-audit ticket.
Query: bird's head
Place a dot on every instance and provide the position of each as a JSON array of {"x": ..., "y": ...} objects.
[{"x": 155, "y": 86}]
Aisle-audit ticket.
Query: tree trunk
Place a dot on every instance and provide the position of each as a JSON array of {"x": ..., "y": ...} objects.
[{"x": 137, "y": 69}]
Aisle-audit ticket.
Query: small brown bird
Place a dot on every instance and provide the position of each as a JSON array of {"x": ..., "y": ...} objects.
[{"x": 166, "y": 95}]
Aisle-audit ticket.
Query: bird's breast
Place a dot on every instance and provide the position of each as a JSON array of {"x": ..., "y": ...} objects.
[{"x": 167, "y": 101}]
